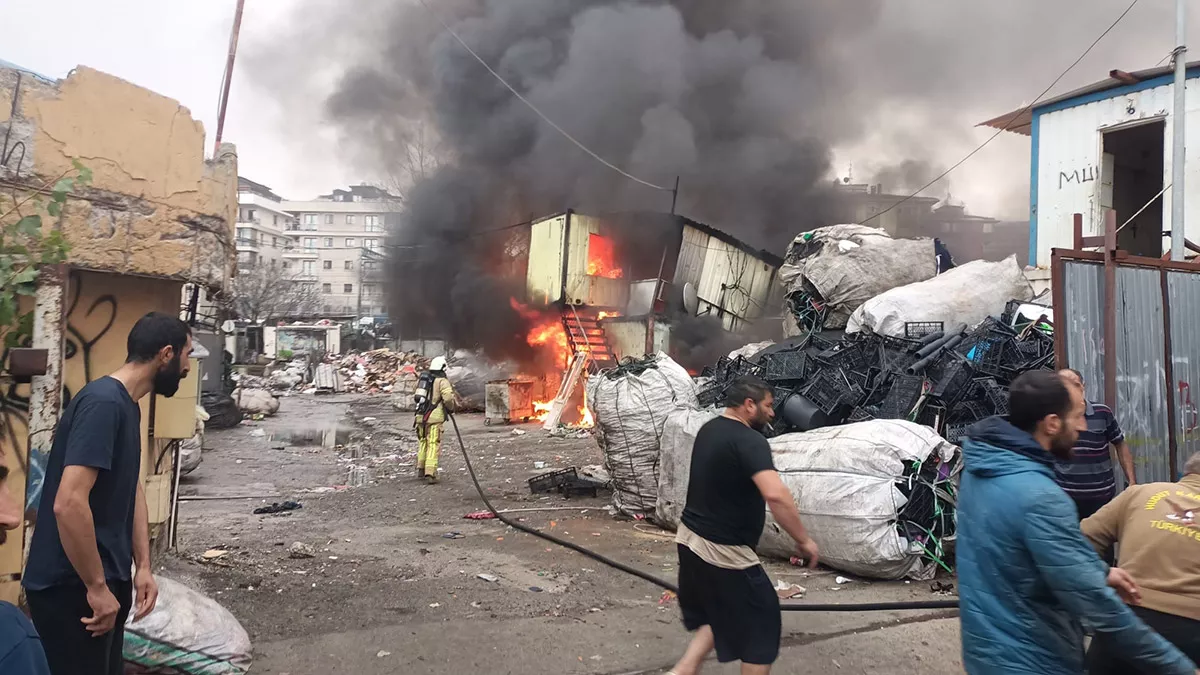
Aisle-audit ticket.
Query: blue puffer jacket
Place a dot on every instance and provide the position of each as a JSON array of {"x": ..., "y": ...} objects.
[{"x": 1027, "y": 576}]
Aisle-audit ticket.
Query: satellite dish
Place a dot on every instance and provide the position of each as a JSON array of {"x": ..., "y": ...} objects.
[{"x": 691, "y": 301}]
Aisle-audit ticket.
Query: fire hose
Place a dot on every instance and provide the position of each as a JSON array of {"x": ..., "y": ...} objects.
[{"x": 662, "y": 583}]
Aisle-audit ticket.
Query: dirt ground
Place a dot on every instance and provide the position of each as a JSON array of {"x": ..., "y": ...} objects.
[{"x": 394, "y": 586}]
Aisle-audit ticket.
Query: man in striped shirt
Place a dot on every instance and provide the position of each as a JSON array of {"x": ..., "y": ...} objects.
[{"x": 1088, "y": 477}]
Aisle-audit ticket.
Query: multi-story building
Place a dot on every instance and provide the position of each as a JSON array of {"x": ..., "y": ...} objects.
[
  {"x": 264, "y": 229},
  {"x": 339, "y": 245}
]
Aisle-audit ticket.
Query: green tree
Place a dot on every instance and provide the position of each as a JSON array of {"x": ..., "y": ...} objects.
[{"x": 25, "y": 246}]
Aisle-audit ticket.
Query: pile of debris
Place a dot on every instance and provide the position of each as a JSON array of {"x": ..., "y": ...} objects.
[
  {"x": 377, "y": 370},
  {"x": 944, "y": 378}
]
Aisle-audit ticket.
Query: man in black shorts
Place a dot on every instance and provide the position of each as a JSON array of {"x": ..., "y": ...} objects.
[{"x": 724, "y": 592}]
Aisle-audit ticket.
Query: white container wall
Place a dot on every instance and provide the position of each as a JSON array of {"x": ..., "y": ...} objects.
[{"x": 1068, "y": 159}]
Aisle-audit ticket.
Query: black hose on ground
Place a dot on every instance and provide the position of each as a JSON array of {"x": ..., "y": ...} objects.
[{"x": 662, "y": 583}]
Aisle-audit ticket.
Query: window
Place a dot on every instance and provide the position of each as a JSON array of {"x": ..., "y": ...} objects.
[
  {"x": 251, "y": 214},
  {"x": 273, "y": 261},
  {"x": 370, "y": 290},
  {"x": 286, "y": 264},
  {"x": 310, "y": 244},
  {"x": 275, "y": 241},
  {"x": 307, "y": 267},
  {"x": 349, "y": 264},
  {"x": 327, "y": 264},
  {"x": 274, "y": 220},
  {"x": 348, "y": 288},
  {"x": 373, "y": 223},
  {"x": 328, "y": 218},
  {"x": 326, "y": 288},
  {"x": 371, "y": 244},
  {"x": 350, "y": 219},
  {"x": 310, "y": 219},
  {"x": 351, "y": 242},
  {"x": 358, "y": 198},
  {"x": 328, "y": 242},
  {"x": 243, "y": 234}
]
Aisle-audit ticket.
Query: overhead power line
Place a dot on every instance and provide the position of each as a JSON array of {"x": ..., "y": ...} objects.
[
  {"x": 1011, "y": 120},
  {"x": 535, "y": 109}
]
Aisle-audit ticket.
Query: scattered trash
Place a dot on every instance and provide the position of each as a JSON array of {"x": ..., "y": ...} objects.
[
  {"x": 258, "y": 433},
  {"x": 214, "y": 553},
  {"x": 518, "y": 432},
  {"x": 255, "y": 401},
  {"x": 381, "y": 653},
  {"x": 480, "y": 515},
  {"x": 491, "y": 579},
  {"x": 368, "y": 419},
  {"x": 301, "y": 551},
  {"x": 435, "y": 605},
  {"x": 453, "y": 535},
  {"x": 787, "y": 591},
  {"x": 182, "y": 624},
  {"x": 942, "y": 588},
  {"x": 666, "y": 597},
  {"x": 842, "y": 580},
  {"x": 535, "y": 589},
  {"x": 277, "y": 507},
  {"x": 539, "y": 465}
]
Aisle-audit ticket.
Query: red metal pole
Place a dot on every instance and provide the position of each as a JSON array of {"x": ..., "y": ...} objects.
[{"x": 224, "y": 102}]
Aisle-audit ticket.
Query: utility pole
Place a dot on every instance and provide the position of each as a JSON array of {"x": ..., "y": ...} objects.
[
  {"x": 224, "y": 102},
  {"x": 1178, "y": 189}
]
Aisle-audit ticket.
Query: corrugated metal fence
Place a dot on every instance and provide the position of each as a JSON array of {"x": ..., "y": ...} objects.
[{"x": 1157, "y": 352}]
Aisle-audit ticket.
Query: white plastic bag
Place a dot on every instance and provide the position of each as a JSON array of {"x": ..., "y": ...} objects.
[
  {"x": 675, "y": 463},
  {"x": 844, "y": 480},
  {"x": 631, "y": 410},
  {"x": 966, "y": 294},
  {"x": 187, "y": 633},
  {"x": 847, "y": 265}
]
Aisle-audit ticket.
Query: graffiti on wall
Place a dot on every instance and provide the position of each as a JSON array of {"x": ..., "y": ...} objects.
[
  {"x": 86, "y": 327},
  {"x": 1087, "y": 174}
]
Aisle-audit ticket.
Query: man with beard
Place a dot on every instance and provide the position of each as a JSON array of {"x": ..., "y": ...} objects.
[
  {"x": 92, "y": 521},
  {"x": 724, "y": 593},
  {"x": 1026, "y": 574}
]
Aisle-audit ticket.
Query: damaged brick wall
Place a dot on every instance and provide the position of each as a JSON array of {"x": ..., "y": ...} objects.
[{"x": 155, "y": 206}]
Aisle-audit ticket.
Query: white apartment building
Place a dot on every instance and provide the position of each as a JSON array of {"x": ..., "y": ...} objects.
[
  {"x": 263, "y": 226},
  {"x": 339, "y": 245}
]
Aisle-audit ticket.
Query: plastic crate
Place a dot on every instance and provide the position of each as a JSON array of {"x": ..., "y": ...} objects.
[
  {"x": 996, "y": 394},
  {"x": 902, "y": 397},
  {"x": 953, "y": 382},
  {"x": 785, "y": 365},
  {"x": 859, "y": 415},
  {"x": 552, "y": 481},
  {"x": 956, "y": 431},
  {"x": 918, "y": 329},
  {"x": 830, "y": 392},
  {"x": 581, "y": 486}
]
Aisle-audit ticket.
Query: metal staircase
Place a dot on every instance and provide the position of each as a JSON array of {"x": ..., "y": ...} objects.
[{"x": 584, "y": 334}]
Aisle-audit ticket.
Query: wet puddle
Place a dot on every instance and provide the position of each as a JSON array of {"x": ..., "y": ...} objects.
[{"x": 326, "y": 437}]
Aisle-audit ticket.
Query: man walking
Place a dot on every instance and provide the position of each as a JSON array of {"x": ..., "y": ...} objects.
[
  {"x": 20, "y": 648},
  {"x": 1087, "y": 475},
  {"x": 429, "y": 420},
  {"x": 92, "y": 520},
  {"x": 724, "y": 592},
  {"x": 1026, "y": 574},
  {"x": 1159, "y": 535}
]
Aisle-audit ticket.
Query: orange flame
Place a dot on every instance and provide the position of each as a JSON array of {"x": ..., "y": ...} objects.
[
  {"x": 585, "y": 413},
  {"x": 607, "y": 315},
  {"x": 602, "y": 258},
  {"x": 541, "y": 410}
]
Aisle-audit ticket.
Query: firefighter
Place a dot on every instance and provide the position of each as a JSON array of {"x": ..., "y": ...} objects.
[{"x": 435, "y": 396}]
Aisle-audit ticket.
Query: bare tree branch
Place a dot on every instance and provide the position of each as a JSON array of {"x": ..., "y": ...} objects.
[
  {"x": 261, "y": 293},
  {"x": 419, "y": 155}
]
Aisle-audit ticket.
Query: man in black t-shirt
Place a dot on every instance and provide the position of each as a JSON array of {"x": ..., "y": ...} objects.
[
  {"x": 724, "y": 592},
  {"x": 93, "y": 527}
]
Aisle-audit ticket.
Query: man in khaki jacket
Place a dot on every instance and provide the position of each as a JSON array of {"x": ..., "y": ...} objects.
[
  {"x": 429, "y": 425},
  {"x": 1158, "y": 533}
]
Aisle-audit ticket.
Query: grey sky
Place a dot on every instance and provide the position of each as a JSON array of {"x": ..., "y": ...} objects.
[{"x": 929, "y": 70}]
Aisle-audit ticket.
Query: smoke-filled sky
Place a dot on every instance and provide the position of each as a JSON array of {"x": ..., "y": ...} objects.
[{"x": 919, "y": 73}]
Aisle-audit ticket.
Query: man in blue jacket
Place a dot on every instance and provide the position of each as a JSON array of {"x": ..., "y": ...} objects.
[{"x": 1026, "y": 574}]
